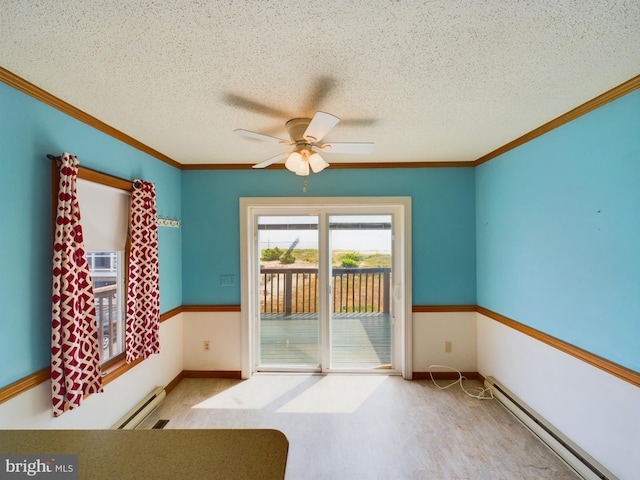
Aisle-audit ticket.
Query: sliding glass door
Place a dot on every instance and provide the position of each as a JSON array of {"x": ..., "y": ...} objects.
[
  {"x": 324, "y": 289},
  {"x": 361, "y": 333},
  {"x": 288, "y": 292}
]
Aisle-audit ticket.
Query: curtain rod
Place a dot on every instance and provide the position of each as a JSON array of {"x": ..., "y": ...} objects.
[
  {"x": 136, "y": 184},
  {"x": 161, "y": 221}
]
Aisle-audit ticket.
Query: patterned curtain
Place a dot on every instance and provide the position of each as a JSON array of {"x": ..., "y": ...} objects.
[
  {"x": 143, "y": 294},
  {"x": 75, "y": 348}
]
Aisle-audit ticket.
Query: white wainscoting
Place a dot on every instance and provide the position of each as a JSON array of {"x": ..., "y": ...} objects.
[
  {"x": 32, "y": 409},
  {"x": 223, "y": 331},
  {"x": 430, "y": 332},
  {"x": 596, "y": 410}
]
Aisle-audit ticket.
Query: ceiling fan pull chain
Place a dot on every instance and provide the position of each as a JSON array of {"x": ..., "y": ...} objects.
[{"x": 304, "y": 185}]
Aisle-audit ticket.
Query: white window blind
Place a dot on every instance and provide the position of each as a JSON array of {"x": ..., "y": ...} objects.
[{"x": 105, "y": 216}]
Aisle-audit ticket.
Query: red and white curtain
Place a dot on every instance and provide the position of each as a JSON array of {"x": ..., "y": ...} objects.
[
  {"x": 143, "y": 295},
  {"x": 75, "y": 348}
]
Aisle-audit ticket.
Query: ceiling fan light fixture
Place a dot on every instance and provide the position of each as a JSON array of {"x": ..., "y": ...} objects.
[
  {"x": 305, "y": 133},
  {"x": 303, "y": 169},
  {"x": 294, "y": 162},
  {"x": 317, "y": 163}
]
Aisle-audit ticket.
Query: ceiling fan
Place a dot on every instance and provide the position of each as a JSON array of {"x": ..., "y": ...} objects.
[{"x": 306, "y": 134}]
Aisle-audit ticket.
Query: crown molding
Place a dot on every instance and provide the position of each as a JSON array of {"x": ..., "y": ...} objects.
[
  {"x": 36, "y": 92},
  {"x": 334, "y": 166},
  {"x": 609, "y": 96}
]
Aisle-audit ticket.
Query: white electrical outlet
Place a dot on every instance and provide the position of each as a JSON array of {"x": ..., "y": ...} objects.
[
  {"x": 447, "y": 346},
  {"x": 207, "y": 345}
]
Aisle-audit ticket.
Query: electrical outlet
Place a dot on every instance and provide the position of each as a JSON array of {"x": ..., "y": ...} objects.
[
  {"x": 447, "y": 346},
  {"x": 207, "y": 345}
]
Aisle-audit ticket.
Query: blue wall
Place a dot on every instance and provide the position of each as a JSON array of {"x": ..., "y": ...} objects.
[
  {"x": 29, "y": 130},
  {"x": 443, "y": 225},
  {"x": 549, "y": 232},
  {"x": 558, "y": 232}
]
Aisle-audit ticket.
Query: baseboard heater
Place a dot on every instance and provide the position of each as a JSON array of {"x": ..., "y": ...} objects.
[
  {"x": 580, "y": 461},
  {"x": 137, "y": 414}
]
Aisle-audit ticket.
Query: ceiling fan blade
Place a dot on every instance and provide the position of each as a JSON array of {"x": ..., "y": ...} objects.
[
  {"x": 320, "y": 125},
  {"x": 321, "y": 88},
  {"x": 363, "y": 148},
  {"x": 261, "y": 136},
  {"x": 272, "y": 160},
  {"x": 358, "y": 122},
  {"x": 253, "y": 106}
]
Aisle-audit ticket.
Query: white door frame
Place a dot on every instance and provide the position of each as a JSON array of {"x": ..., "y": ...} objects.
[{"x": 250, "y": 207}]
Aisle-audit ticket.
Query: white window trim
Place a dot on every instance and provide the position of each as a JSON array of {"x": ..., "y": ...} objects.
[{"x": 251, "y": 206}]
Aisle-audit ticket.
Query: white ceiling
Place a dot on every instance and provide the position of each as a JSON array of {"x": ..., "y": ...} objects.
[{"x": 440, "y": 80}]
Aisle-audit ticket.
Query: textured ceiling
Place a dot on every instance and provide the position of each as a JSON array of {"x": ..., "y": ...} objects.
[{"x": 441, "y": 80}]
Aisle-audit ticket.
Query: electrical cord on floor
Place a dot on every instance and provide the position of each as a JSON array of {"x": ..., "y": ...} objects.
[{"x": 478, "y": 393}]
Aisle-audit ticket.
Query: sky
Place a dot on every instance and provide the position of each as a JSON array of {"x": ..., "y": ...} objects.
[{"x": 357, "y": 240}]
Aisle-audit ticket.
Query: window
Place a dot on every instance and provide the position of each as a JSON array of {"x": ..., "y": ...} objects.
[
  {"x": 108, "y": 291},
  {"x": 105, "y": 213}
]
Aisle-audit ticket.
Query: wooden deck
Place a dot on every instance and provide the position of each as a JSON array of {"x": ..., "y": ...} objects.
[{"x": 358, "y": 341}]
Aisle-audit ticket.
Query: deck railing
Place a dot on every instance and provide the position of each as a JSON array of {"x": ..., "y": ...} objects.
[
  {"x": 295, "y": 290},
  {"x": 109, "y": 332}
]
